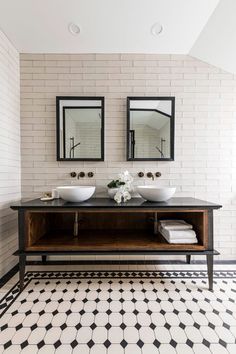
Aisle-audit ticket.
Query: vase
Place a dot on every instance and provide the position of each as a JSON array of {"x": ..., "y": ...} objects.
[{"x": 112, "y": 192}]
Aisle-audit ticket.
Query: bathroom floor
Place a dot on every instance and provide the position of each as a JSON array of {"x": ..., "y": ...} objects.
[{"x": 120, "y": 309}]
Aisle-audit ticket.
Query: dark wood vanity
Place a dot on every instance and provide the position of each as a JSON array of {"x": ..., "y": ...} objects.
[{"x": 104, "y": 227}]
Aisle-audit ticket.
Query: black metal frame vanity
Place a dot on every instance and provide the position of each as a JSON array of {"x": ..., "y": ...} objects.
[{"x": 105, "y": 227}]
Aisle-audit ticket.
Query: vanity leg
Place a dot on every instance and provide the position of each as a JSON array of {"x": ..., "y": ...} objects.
[
  {"x": 210, "y": 270},
  {"x": 22, "y": 260},
  {"x": 44, "y": 259},
  {"x": 188, "y": 258}
]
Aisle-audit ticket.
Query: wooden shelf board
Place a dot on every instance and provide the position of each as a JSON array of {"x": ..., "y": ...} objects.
[{"x": 107, "y": 240}]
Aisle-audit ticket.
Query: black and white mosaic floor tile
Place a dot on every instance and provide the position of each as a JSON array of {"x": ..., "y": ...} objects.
[{"x": 120, "y": 312}]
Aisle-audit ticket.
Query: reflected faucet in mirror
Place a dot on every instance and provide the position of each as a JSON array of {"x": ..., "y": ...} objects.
[
  {"x": 161, "y": 149},
  {"x": 72, "y": 147}
]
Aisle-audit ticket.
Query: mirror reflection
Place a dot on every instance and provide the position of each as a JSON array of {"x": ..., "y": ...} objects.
[
  {"x": 150, "y": 128},
  {"x": 80, "y": 128}
]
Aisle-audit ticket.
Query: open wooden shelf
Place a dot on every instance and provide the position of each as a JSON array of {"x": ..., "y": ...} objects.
[{"x": 108, "y": 232}]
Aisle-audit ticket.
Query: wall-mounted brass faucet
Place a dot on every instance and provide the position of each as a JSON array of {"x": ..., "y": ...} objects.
[
  {"x": 81, "y": 174},
  {"x": 150, "y": 175}
]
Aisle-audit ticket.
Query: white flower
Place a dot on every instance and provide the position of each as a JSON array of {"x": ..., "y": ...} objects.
[
  {"x": 127, "y": 179},
  {"x": 122, "y": 194}
]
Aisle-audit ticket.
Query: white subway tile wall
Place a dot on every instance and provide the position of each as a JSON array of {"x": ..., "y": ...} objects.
[
  {"x": 10, "y": 185},
  {"x": 205, "y": 147}
]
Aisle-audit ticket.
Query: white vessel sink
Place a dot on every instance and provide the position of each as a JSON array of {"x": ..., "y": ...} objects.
[
  {"x": 156, "y": 194},
  {"x": 76, "y": 193}
]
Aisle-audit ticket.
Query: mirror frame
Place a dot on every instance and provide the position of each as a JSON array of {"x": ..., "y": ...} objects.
[
  {"x": 172, "y": 127},
  {"x": 84, "y": 98}
]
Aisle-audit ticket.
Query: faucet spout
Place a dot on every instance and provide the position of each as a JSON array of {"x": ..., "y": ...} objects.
[{"x": 150, "y": 175}]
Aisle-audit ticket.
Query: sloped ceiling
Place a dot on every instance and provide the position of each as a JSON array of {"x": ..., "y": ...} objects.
[
  {"x": 205, "y": 29},
  {"x": 217, "y": 42},
  {"x": 107, "y": 26}
]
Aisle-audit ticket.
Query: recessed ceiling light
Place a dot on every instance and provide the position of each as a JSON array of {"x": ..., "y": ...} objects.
[
  {"x": 73, "y": 28},
  {"x": 156, "y": 29}
]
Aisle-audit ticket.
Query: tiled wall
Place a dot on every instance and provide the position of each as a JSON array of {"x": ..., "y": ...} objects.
[
  {"x": 205, "y": 148},
  {"x": 9, "y": 151}
]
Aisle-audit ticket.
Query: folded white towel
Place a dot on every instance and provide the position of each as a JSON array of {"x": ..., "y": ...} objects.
[
  {"x": 178, "y": 234},
  {"x": 175, "y": 225},
  {"x": 184, "y": 236},
  {"x": 181, "y": 240}
]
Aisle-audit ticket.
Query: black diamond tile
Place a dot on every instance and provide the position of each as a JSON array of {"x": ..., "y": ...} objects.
[
  {"x": 223, "y": 343},
  {"x": 55, "y": 313},
  {"x": 123, "y": 326},
  {"x": 152, "y": 326},
  {"x": 140, "y": 343},
  {"x": 7, "y": 344},
  {"x": 19, "y": 326},
  {"x": 122, "y": 312},
  {"x": 95, "y": 312},
  {"x": 93, "y": 326},
  {"x": 57, "y": 344},
  {"x": 90, "y": 344},
  {"x": 211, "y": 325},
  {"x": 74, "y": 343},
  {"x": 137, "y": 326},
  {"x": 181, "y": 325},
  {"x": 156, "y": 343},
  {"x": 196, "y": 325},
  {"x": 107, "y": 343},
  {"x": 149, "y": 312},
  {"x": 189, "y": 343},
  {"x": 33, "y": 327},
  {"x": 225, "y": 325},
  {"x": 5, "y": 326},
  {"x": 41, "y": 344},
  {"x": 82, "y": 312},
  {"x": 108, "y": 312},
  {"x": 162, "y": 312},
  {"x": 123, "y": 343},
  {"x": 49, "y": 326},
  {"x": 63, "y": 326},
  {"x": 24, "y": 344},
  {"x": 206, "y": 343},
  {"x": 173, "y": 343},
  {"x": 108, "y": 326},
  {"x": 78, "y": 326},
  {"x": 68, "y": 312},
  {"x": 167, "y": 326}
]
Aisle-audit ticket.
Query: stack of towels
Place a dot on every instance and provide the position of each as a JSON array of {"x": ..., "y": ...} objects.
[{"x": 177, "y": 231}]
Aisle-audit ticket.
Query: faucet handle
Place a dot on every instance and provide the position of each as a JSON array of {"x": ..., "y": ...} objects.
[
  {"x": 73, "y": 174},
  {"x": 158, "y": 174},
  {"x": 140, "y": 174},
  {"x": 81, "y": 174}
]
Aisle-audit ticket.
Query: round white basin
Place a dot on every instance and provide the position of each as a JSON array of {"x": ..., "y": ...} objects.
[
  {"x": 156, "y": 194},
  {"x": 76, "y": 193}
]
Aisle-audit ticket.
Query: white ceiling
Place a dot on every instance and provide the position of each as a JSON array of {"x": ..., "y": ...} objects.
[
  {"x": 217, "y": 42},
  {"x": 107, "y": 26}
]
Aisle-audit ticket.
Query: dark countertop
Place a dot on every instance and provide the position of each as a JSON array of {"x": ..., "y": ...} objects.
[{"x": 96, "y": 203}]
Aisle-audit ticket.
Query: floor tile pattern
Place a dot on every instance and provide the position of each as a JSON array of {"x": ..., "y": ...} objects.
[{"x": 120, "y": 312}]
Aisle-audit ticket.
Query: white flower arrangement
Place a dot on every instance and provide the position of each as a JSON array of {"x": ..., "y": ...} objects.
[{"x": 125, "y": 183}]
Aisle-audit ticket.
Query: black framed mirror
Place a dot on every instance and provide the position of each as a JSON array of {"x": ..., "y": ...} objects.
[
  {"x": 80, "y": 128},
  {"x": 150, "y": 128}
]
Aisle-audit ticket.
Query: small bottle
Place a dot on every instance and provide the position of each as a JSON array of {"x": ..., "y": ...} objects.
[{"x": 55, "y": 194}]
